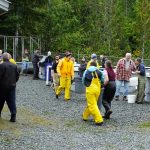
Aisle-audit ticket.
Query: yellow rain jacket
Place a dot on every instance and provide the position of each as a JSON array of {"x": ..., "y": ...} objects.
[
  {"x": 92, "y": 95},
  {"x": 11, "y": 60},
  {"x": 89, "y": 63},
  {"x": 65, "y": 69}
]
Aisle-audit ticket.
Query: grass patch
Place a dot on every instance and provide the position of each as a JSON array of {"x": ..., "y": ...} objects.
[
  {"x": 70, "y": 123},
  {"x": 25, "y": 117},
  {"x": 145, "y": 125},
  {"x": 31, "y": 119}
]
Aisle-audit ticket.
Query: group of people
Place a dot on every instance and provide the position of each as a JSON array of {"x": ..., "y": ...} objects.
[
  {"x": 111, "y": 80},
  {"x": 93, "y": 78}
]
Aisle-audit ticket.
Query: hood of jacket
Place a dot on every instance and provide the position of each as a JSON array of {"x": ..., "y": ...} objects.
[{"x": 92, "y": 68}]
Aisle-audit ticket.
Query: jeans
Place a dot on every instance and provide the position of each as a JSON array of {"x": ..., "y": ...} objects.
[
  {"x": 25, "y": 65},
  {"x": 119, "y": 84}
]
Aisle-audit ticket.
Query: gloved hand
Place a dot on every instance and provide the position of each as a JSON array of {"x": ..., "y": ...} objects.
[{"x": 59, "y": 75}]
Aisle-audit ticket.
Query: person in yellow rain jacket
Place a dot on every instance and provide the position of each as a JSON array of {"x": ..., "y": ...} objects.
[
  {"x": 92, "y": 79},
  {"x": 65, "y": 70},
  {"x": 93, "y": 59},
  {"x": 11, "y": 60}
]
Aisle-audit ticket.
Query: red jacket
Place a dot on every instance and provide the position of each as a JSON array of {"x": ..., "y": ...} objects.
[{"x": 121, "y": 72}]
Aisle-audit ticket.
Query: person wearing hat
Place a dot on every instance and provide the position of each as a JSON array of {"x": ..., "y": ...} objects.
[
  {"x": 65, "y": 70},
  {"x": 9, "y": 75},
  {"x": 93, "y": 59}
]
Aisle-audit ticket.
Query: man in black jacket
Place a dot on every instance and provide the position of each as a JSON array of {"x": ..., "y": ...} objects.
[
  {"x": 35, "y": 61},
  {"x": 9, "y": 75}
]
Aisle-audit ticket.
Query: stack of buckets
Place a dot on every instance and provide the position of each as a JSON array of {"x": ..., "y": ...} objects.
[{"x": 133, "y": 82}]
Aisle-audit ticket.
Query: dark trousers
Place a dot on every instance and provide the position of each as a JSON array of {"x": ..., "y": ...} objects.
[
  {"x": 35, "y": 71},
  {"x": 108, "y": 95},
  {"x": 8, "y": 95}
]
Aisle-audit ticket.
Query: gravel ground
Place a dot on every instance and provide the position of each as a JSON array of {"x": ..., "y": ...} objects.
[{"x": 47, "y": 123}]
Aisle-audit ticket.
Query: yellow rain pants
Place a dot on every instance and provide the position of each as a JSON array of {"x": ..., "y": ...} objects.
[
  {"x": 92, "y": 95},
  {"x": 65, "y": 83}
]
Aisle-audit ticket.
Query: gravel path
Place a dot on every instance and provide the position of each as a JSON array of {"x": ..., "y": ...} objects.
[{"x": 47, "y": 123}]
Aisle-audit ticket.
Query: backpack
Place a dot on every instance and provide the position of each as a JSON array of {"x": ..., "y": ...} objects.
[{"x": 90, "y": 75}]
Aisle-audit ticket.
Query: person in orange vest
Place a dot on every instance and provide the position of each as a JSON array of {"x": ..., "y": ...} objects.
[{"x": 65, "y": 70}]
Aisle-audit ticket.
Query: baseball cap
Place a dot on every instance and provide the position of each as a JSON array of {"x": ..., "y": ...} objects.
[
  {"x": 68, "y": 54},
  {"x": 93, "y": 56}
]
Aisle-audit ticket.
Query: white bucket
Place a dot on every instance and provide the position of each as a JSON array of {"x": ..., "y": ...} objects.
[
  {"x": 131, "y": 98},
  {"x": 133, "y": 81}
]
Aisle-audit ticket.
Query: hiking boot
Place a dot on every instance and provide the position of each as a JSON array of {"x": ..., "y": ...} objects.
[
  {"x": 117, "y": 98},
  {"x": 139, "y": 102},
  {"x": 107, "y": 115},
  {"x": 99, "y": 124},
  {"x": 67, "y": 99},
  {"x": 57, "y": 96},
  {"x": 13, "y": 118},
  {"x": 84, "y": 120},
  {"x": 125, "y": 98}
]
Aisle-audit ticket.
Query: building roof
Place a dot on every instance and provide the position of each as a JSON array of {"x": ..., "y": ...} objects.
[{"x": 4, "y": 5}]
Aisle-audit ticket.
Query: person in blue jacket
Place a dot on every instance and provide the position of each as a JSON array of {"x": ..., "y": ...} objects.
[{"x": 140, "y": 70}]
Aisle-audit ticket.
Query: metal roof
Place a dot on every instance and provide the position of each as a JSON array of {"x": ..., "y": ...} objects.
[{"x": 4, "y": 5}]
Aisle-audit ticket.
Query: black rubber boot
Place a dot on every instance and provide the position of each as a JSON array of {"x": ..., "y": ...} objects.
[{"x": 13, "y": 118}]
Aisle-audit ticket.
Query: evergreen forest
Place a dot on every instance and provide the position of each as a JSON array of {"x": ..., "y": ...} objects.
[{"x": 109, "y": 27}]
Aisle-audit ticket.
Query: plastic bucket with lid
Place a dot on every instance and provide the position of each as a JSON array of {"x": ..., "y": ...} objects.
[{"x": 131, "y": 98}]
